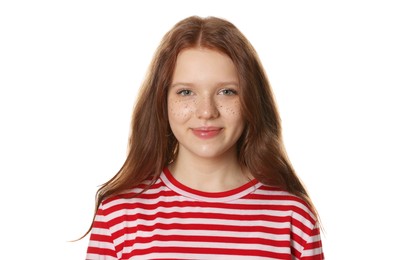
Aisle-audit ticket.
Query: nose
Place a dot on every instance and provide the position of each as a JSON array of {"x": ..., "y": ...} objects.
[{"x": 206, "y": 108}]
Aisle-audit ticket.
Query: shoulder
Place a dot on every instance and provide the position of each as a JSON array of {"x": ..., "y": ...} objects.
[
  {"x": 280, "y": 200},
  {"x": 297, "y": 215},
  {"x": 129, "y": 199}
]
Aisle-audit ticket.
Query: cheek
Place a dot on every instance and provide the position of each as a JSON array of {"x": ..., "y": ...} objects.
[
  {"x": 232, "y": 110},
  {"x": 179, "y": 111}
]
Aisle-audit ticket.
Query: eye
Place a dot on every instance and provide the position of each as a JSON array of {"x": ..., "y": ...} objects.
[
  {"x": 184, "y": 92},
  {"x": 228, "y": 92}
]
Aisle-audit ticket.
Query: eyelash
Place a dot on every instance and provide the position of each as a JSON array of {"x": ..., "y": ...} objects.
[
  {"x": 231, "y": 92},
  {"x": 187, "y": 92},
  {"x": 182, "y": 92}
]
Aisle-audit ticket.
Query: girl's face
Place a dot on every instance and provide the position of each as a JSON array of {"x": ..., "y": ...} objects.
[{"x": 204, "y": 109}]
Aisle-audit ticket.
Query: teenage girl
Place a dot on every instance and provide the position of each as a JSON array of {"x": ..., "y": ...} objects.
[{"x": 206, "y": 176}]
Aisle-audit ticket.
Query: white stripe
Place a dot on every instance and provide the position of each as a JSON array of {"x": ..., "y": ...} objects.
[
  {"x": 273, "y": 202},
  {"x": 101, "y": 231},
  {"x": 273, "y": 192},
  {"x": 203, "y": 221},
  {"x": 208, "y": 210},
  {"x": 197, "y": 257},
  {"x": 315, "y": 238},
  {"x": 100, "y": 244},
  {"x": 213, "y": 245},
  {"x": 216, "y": 233},
  {"x": 311, "y": 252},
  {"x": 99, "y": 257}
]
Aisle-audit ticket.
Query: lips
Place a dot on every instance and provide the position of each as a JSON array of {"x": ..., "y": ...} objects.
[{"x": 206, "y": 132}]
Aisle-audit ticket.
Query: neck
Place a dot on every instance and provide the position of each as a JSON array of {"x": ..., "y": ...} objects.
[{"x": 209, "y": 174}]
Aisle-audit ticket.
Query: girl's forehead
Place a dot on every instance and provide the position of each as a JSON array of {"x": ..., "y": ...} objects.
[{"x": 200, "y": 63}]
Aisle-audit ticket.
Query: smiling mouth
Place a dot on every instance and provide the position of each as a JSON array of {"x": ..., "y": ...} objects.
[{"x": 206, "y": 132}]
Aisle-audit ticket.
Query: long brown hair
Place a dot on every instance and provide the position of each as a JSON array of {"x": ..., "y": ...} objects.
[{"x": 152, "y": 146}]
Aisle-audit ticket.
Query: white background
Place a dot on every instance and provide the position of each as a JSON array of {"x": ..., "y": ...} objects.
[{"x": 70, "y": 71}]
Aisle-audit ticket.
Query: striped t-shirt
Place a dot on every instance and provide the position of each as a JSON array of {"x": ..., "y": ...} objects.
[{"x": 173, "y": 221}]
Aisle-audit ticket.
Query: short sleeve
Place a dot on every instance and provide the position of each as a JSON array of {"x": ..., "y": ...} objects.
[
  {"x": 312, "y": 250},
  {"x": 101, "y": 245}
]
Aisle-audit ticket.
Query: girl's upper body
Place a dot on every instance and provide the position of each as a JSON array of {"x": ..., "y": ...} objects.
[
  {"x": 206, "y": 175},
  {"x": 173, "y": 221}
]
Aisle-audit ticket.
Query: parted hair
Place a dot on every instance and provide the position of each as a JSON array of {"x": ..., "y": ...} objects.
[{"x": 152, "y": 145}]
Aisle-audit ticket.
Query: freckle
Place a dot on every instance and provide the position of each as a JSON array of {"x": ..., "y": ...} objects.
[{"x": 231, "y": 111}]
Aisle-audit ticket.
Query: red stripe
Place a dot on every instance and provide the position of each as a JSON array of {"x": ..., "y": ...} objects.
[
  {"x": 215, "y": 239},
  {"x": 101, "y": 251},
  {"x": 100, "y": 238},
  {"x": 208, "y": 194},
  {"x": 200, "y": 215},
  {"x": 207, "y": 251}
]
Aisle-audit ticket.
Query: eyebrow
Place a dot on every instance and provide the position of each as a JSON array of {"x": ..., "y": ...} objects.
[{"x": 220, "y": 84}]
